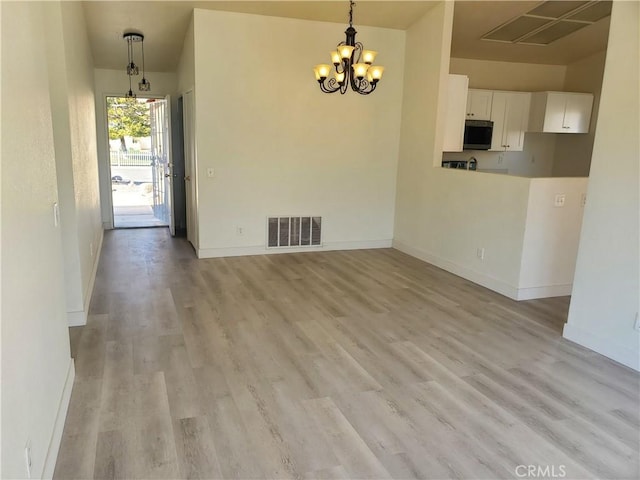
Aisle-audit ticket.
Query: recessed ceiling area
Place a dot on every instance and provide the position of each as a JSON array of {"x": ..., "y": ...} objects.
[
  {"x": 549, "y": 22},
  {"x": 552, "y": 32}
]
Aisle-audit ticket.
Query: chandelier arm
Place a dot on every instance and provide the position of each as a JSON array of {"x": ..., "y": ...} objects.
[
  {"x": 330, "y": 86},
  {"x": 367, "y": 92},
  {"x": 363, "y": 86},
  {"x": 359, "y": 48}
]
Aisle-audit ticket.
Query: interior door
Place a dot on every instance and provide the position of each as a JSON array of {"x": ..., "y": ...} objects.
[
  {"x": 190, "y": 167},
  {"x": 161, "y": 154},
  {"x": 168, "y": 175}
]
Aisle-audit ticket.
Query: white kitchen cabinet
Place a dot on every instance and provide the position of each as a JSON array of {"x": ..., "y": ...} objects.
[
  {"x": 510, "y": 116},
  {"x": 560, "y": 112},
  {"x": 455, "y": 114},
  {"x": 479, "y": 104}
]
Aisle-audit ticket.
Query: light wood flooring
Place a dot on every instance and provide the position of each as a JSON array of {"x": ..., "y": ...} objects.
[{"x": 362, "y": 364}]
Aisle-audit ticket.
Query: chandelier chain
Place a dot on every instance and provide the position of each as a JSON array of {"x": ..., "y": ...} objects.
[{"x": 351, "y": 4}]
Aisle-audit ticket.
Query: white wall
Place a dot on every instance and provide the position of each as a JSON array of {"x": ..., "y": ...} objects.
[
  {"x": 36, "y": 363},
  {"x": 573, "y": 152},
  {"x": 279, "y": 146},
  {"x": 523, "y": 77},
  {"x": 443, "y": 216},
  {"x": 82, "y": 119},
  {"x": 71, "y": 84},
  {"x": 59, "y": 95},
  {"x": 551, "y": 237},
  {"x": 605, "y": 297},
  {"x": 110, "y": 83},
  {"x": 186, "y": 66}
]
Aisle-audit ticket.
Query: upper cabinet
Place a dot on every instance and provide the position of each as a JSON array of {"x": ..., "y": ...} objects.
[
  {"x": 479, "y": 104},
  {"x": 510, "y": 116},
  {"x": 455, "y": 116},
  {"x": 560, "y": 112}
]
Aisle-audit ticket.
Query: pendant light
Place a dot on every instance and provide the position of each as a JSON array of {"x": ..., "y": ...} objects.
[
  {"x": 132, "y": 69},
  {"x": 143, "y": 85},
  {"x": 352, "y": 66}
]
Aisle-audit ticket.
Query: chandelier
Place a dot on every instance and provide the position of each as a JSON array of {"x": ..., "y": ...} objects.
[
  {"x": 132, "y": 69},
  {"x": 352, "y": 66}
]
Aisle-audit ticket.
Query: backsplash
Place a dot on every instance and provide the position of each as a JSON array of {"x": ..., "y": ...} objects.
[{"x": 536, "y": 160}]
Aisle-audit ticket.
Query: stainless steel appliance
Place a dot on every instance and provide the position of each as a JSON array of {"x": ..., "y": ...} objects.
[{"x": 477, "y": 134}]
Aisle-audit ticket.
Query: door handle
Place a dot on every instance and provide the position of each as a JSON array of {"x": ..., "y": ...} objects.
[
  {"x": 167, "y": 175},
  {"x": 187, "y": 178}
]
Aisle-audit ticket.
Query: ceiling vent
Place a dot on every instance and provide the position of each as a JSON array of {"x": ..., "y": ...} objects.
[{"x": 549, "y": 22}]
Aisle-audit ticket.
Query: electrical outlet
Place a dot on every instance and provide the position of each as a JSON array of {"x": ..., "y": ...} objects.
[
  {"x": 27, "y": 457},
  {"x": 210, "y": 172},
  {"x": 559, "y": 200},
  {"x": 240, "y": 231},
  {"x": 636, "y": 324},
  {"x": 480, "y": 253}
]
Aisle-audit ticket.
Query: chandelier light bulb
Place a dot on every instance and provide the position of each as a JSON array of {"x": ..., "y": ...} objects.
[
  {"x": 368, "y": 56},
  {"x": 346, "y": 51},
  {"x": 323, "y": 71},
  {"x": 360, "y": 70},
  {"x": 335, "y": 57},
  {"x": 375, "y": 72}
]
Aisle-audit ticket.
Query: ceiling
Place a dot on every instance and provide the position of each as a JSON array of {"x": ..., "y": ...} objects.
[
  {"x": 164, "y": 24},
  {"x": 473, "y": 19}
]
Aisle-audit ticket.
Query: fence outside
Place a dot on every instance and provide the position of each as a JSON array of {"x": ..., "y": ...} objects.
[{"x": 130, "y": 159}]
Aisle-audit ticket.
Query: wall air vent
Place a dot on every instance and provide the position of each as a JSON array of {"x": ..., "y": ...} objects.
[
  {"x": 294, "y": 232},
  {"x": 549, "y": 21}
]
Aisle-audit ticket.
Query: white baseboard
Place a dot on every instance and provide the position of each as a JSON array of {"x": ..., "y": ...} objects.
[
  {"x": 78, "y": 318},
  {"x": 262, "y": 250},
  {"x": 545, "y": 291},
  {"x": 487, "y": 281},
  {"x": 464, "y": 272},
  {"x": 602, "y": 345},
  {"x": 58, "y": 427}
]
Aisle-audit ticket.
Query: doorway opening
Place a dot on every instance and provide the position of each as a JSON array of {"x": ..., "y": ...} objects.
[{"x": 140, "y": 161}]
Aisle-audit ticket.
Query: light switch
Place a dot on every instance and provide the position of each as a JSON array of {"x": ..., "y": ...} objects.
[
  {"x": 56, "y": 214},
  {"x": 559, "y": 200},
  {"x": 210, "y": 172}
]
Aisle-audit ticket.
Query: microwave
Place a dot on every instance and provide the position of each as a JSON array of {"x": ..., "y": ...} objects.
[{"x": 477, "y": 134}]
